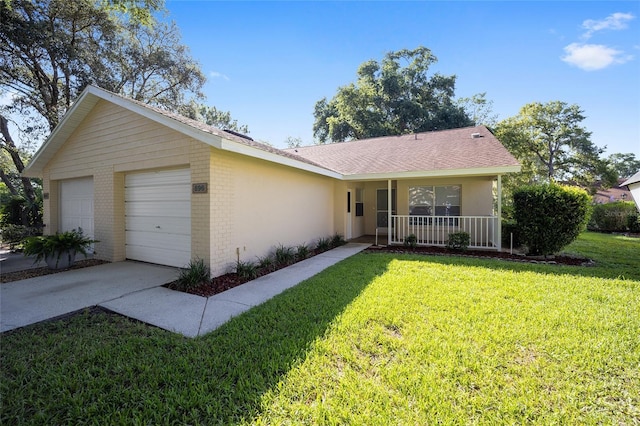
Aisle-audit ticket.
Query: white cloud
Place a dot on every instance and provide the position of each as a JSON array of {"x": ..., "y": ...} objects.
[
  {"x": 616, "y": 21},
  {"x": 215, "y": 74},
  {"x": 591, "y": 57}
]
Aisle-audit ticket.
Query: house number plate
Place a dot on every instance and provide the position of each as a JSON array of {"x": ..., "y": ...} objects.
[{"x": 199, "y": 188}]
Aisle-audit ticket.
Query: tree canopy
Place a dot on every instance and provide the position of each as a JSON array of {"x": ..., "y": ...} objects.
[
  {"x": 552, "y": 145},
  {"x": 391, "y": 97},
  {"x": 50, "y": 50},
  {"x": 624, "y": 164},
  {"x": 214, "y": 117}
]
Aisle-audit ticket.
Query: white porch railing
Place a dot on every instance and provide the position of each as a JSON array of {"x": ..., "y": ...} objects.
[{"x": 435, "y": 230}]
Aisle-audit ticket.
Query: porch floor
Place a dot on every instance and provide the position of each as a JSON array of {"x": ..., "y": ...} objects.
[{"x": 370, "y": 239}]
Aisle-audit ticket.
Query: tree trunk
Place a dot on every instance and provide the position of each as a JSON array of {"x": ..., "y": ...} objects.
[{"x": 10, "y": 147}]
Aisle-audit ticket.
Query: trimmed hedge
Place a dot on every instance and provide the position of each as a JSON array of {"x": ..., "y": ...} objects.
[
  {"x": 613, "y": 217},
  {"x": 550, "y": 216}
]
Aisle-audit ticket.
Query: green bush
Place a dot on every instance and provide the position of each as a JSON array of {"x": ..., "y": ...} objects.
[
  {"x": 267, "y": 263},
  {"x": 323, "y": 244},
  {"x": 510, "y": 227},
  {"x": 302, "y": 252},
  {"x": 284, "y": 256},
  {"x": 458, "y": 241},
  {"x": 337, "y": 240},
  {"x": 14, "y": 234},
  {"x": 18, "y": 211},
  {"x": 195, "y": 274},
  {"x": 550, "y": 216},
  {"x": 246, "y": 270},
  {"x": 411, "y": 241},
  {"x": 612, "y": 217},
  {"x": 633, "y": 223},
  {"x": 56, "y": 245}
]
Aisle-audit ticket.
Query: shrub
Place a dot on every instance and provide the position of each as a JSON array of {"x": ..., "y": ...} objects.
[
  {"x": 14, "y": 234},
  {"x": 246, "y": 270},
  {"x": 411, "y": 241},
  {"x": 323, "y": 244},
  {"x": 267, "y": 263},
  {"x": 302, "y": 252},
  {"x": 458, "y": 241},
  {"x": 284, "y": 256},
  {"x": 195, "y": 274},
  {"x": 337, "y": 240},
  {"x": 612, "y": 217},
  {"x": 550, "y": 216},
  {"x": 510, "y": 227},
  {"x": 633, "y": 223}
]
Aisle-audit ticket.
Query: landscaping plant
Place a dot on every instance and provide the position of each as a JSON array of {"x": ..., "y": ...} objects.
[
  {"x": 613, "y": 217},
  {"x": 302, "y": 252},
  {"x": 411, "y": 241},
  {"x": 323, "y": 244},
  {"x": 337, "y": 240},
  {"x": 284, "y": 256},
  {"x": 246, "y": 270},
  {"x": 58, "y": 247},
  {"x": 458, "y": 241},
  {"x": 550, "y": 216},
  {"x": 195, "y": 274}
]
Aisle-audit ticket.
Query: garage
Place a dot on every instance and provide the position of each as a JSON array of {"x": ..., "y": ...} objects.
[
  {"x": 76, "y": 205},
  {"x": 158, "y": 217}
]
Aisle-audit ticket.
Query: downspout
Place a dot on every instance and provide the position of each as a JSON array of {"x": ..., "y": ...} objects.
[
  {"x": 499, "y": 230},
  {"x": 389, "y": 211}
]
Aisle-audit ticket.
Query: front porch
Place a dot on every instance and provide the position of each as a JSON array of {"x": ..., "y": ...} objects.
[
  {"x": 429, "y": 209},
  {"x": 435, "y": 231}
]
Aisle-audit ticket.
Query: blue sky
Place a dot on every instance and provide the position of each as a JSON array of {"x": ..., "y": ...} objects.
[{"x": 270, "y": 62}]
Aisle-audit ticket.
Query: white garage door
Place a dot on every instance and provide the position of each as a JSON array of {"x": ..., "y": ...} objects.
[
  {"x": 158, "y": 217},
  {"x": 76, "y": 205}
]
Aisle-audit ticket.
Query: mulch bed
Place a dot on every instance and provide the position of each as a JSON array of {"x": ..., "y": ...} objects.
[
  {"x": 443, "y": 251},
  {"x": 231, "y": 280},
  {"x": 38, "y": 272}
]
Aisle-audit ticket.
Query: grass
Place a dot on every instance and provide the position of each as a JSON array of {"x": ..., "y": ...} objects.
[{"x": 376, "y": 339}]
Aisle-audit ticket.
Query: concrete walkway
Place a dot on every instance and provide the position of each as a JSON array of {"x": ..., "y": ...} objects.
[{"x": 135, "y": 289}]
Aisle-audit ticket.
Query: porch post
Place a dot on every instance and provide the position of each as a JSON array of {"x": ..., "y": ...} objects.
[
  {"x": 389, "y": 212},
  {"x": 499, "y": 233}
]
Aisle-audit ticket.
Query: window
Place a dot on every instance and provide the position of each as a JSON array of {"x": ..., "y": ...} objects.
[
  {"x": 359, "y": 202},
  {"x": 434, "y": 200}
]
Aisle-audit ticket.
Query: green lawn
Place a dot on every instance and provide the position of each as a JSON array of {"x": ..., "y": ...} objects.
[{"x": 377, "y": 339}]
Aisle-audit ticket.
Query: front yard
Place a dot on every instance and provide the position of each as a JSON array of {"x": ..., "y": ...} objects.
[{"x": 377, "y": 339}]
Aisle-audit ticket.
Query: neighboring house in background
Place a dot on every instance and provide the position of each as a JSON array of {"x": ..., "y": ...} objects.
[
  {"x": 154, "y": 186},
  {"x": 613, "y": 194},
  {"x": 633, "y": 185}
]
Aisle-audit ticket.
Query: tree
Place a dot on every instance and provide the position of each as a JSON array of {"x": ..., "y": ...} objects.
[
  {"x": 214, "y": 117},
  {"x": 391, "y": 97},
  {"x": 51, "y": 50},
  {"x": 624, "y": 165},
  {"x": 552, "y": 145},
  {"x": 293, "y": 142},
  {"x": 479, "y": 109}
]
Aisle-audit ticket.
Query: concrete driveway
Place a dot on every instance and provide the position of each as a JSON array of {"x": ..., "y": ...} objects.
[{"x": 36, "y": 299}]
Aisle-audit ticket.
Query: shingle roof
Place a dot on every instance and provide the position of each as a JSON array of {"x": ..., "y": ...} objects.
[
  {"x": 422, "y": 154},
  {"x": 454, "y": 149}
]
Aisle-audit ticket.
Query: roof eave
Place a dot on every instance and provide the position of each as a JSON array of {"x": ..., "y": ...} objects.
[
  {"x": 249, "y": 151},
  {"x": 482, "y": 171}
]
